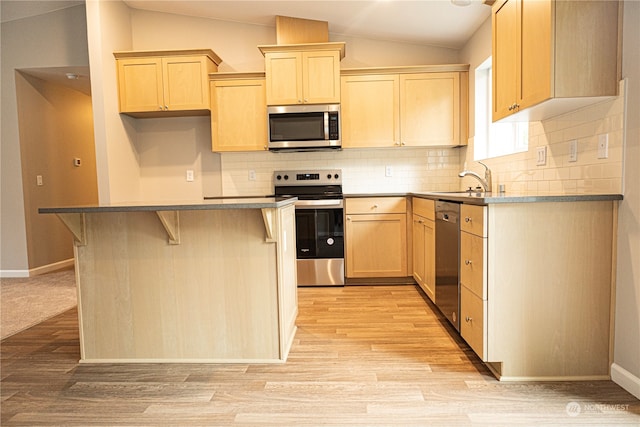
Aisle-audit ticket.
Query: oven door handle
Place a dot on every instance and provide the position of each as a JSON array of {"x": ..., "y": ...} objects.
[{"x": 314, "y": 204}]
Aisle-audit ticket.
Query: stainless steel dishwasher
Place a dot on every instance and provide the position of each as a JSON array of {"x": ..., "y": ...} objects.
[{"x": 448, "y": 260}]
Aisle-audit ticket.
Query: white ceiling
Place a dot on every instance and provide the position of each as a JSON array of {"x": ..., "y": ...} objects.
[{"x": 428, "y": 22}]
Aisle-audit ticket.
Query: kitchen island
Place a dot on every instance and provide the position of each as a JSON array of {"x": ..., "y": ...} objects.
[{"x": 206, "y": 281}]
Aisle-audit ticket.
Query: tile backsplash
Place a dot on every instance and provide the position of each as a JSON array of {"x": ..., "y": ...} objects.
[
  {"x": 588, "y": 175},
  {"x": 363, "y": 170}
]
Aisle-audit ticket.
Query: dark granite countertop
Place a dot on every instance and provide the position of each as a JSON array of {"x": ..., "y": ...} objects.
[
  {"x": 207, "y": 204},
  {"x": 475, "y": 198}
]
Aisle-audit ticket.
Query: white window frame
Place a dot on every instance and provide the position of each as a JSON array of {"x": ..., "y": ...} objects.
[{"x": 494, "y": 139}]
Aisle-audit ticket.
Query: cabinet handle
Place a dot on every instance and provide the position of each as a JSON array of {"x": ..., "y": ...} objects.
[
  {"x": 396, "y": 143},
  {"x": 402, "y": 143},
  {"x": 299, "y": 101},
  {"x": 306, "y": 100},
  {"x": 467, "y": 262},
  {"x": 160, "y": 107},
  {"x": 467, "y": 219},
  {"x": 166, "y": 107},
  {"x": 348, "y": 218},
  {"x": 374, "y": 207},
  {"x": 468, "y": 319}
]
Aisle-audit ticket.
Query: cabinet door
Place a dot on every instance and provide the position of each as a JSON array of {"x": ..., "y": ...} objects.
[
  {"x": 535, "y": 52},
  {"x": 284, "y": 78},
  {"x": 418, "y": 233},
  {"x": 140, "y": 84},
  {"x": 504, "y": 57},
  {"x": 473, "y": 263},
  {"x": 370, "y": 111},
  {"x": 376, "y": 245},
  {"x": 186, "y": 83},
  {"x": 321, "y": 77},
  {"x": 238, "y": 115},
  {"x": 430, "y": 109},
  {"x": 430, "y": 259},
  {"x": 472, "y": 321}
]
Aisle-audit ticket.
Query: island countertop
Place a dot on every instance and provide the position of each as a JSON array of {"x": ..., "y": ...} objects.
[{"x": 206, "y": 204}]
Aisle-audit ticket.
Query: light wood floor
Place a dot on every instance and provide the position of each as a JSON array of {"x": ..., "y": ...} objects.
[{"x": 363, "y": 355}]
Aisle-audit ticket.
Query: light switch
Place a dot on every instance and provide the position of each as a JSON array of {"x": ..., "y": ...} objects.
[
  {"x": 541, "y": 155},
  {"x": 39, "y": 182},
  {"x": 573, "y": 150}
]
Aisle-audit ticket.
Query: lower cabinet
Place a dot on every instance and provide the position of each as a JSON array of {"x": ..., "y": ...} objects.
[
  {"x": 473, "y": 278},
  {"x": 376, "y": 237},
  {"x": 540, "y": 309},
  {"x": 423, "y": 232}
]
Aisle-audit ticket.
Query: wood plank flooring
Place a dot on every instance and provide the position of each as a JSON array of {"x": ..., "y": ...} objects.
[{"x": 363, "y": 355}]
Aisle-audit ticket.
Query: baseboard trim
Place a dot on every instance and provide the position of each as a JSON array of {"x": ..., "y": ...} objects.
[
  {"x": 38, "y": 270},
  {"x": 625, "y": 379}
]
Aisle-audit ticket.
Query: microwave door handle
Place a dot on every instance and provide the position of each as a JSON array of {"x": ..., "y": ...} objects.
[{"x": 326, "y": 125}]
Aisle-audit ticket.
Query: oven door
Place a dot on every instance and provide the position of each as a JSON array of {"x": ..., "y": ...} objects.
[{"x": 320, "y": 243}]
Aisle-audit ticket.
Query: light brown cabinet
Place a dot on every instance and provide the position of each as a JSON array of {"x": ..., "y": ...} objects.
[
  {"x": 238, "y": 113},
  {"x": 165, "y": 83},
  {"x": 399, "y": 107},
  {"x": 548, "y": 50},
  {"x": 303, "y": 74},
  {"x": 376, "y": 237},
  {"x": 473, "y": 278},
  {"x": 424, "y": 245}
]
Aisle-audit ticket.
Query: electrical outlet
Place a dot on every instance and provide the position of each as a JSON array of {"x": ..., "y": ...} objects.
[
  {"x": 189, "y": 175},
  {"x": 77, "y": 162},
  {"x": 603, "y": 146},
  {"x": 573, "y": 150},
  {"x": 252, "y": 175},
  {"x": 388, "y": 171},
  {"x": 542, "y": 155}
]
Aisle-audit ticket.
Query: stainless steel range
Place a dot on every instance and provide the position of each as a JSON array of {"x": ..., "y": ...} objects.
[{"x": 319, "y": 223}]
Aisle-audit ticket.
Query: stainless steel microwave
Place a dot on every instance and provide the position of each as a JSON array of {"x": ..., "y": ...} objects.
[{"x": 304, "y": 127}]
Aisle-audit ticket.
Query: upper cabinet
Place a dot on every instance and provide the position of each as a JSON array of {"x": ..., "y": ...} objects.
[
  {"x": 303, "y": 73},
  {"x": 550, "y": 57},
  {"x": 165, "y": 83},
  {"x": 238, "y": 112},
  {"x": 407, "y": 106}
]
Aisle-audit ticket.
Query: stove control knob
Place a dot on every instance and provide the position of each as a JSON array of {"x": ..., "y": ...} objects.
[
  {"x": 336, "y": 176},
  {"x": 286, "y": 177},
  {"x": 328, "y": 176},
  {"x": 278, "y": 177}
]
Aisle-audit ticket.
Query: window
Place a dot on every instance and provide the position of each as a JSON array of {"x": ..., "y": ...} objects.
[{"x": 494, "y": 139}]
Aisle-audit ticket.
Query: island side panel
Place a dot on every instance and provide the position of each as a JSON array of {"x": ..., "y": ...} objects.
[
  {"x": 550, "y": 289},
  {"x": 213, "y": 297},
  {"x": 287, "y": 278}
]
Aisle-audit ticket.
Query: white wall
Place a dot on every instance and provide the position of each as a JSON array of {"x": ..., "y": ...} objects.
[
  {"x": 165, "y": 148},
  {"x": 626, "y": 368},
  {"x": 55, "y": 39},
  {"x": 109, "y": 30}
]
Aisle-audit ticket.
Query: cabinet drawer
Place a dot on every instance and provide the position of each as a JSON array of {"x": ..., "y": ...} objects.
[
  {"x": 472, "y": 321},
  {"x": 473, "y": 263},
  {"x": 473, "y": 219},
  {"x": 376, "y": 205},
  {"x": 424, "y": 207}
]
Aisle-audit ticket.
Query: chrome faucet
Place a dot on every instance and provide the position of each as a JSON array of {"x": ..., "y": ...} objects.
[{"x": 486, "y": 182}]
